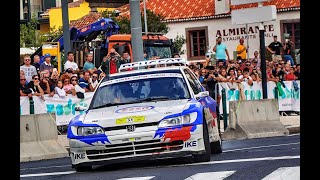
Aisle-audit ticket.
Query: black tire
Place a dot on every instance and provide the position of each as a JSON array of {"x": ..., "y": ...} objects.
[
  {"x": 206, "y": 156},
  {"x": 216, "y": 147},
  {"x": 83, "y": 168}
]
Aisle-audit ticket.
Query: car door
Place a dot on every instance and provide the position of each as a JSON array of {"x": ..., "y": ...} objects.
[{"x": 210, "y": 105}]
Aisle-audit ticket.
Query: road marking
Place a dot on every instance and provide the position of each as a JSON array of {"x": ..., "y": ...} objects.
[
  {"x": 46, "y": 167},
  {"x": 47, "y": 174},
  {"x": 257, "y": 147},
  {"x": 291, "y": 173},
  {"x": 242, "y": 160},
  {"x": 138, "y": 178},
  {"x": 210, "y": 175}
]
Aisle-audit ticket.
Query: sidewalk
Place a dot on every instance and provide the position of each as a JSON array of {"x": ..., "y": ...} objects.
[{"x": 292, "y": 123}]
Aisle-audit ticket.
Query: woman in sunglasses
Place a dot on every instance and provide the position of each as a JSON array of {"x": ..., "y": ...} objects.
[
  {"x": 77, "y": 90},
  {"x": 66, "y": 83},
  {"x": 35, "y": 87}
]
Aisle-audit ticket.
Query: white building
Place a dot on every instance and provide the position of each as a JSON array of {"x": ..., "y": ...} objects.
[{"x": 200, "y": 22}]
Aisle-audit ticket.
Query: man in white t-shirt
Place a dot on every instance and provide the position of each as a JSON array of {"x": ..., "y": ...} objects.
[
  {"x": 70, "y": 64},
  {"x": 28, "y": 69}
]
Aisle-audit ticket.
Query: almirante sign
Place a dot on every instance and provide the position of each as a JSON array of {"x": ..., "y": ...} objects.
[{"x": 234, "y": 34}]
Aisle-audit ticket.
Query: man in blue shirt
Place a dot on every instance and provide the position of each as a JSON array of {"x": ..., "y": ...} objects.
[
  {"x": 88, "y": 65},
  {"x": 85, "y": 82},
  {"x": 221, "y": 51}
]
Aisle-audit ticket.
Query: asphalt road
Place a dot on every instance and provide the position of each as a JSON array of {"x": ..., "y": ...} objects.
[{"x": 254, "y": 159}]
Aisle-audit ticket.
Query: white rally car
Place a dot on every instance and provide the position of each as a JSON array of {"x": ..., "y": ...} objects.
[{"x": 160, "y": 112}]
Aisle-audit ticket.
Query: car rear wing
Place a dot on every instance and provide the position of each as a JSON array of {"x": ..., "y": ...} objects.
[{"x": 153, "y": 63}]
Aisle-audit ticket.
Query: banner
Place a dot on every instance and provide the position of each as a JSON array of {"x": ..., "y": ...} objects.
[
  {"x": 288, "y": 101},
  {"x": 62, "y": 107}
]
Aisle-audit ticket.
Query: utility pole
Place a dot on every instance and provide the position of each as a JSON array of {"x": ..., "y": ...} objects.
[
  {"x": 66, "y": 31},
  {"x": 145, "y": 17},
  {"x": 136, "y": 30},
  {"x": 263, "y": 58}
]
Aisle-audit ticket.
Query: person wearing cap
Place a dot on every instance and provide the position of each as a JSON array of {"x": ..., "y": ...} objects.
[
  {"x": 242, "y": 50},
  {"x": 221, "y": 51},
  {"x": 70, "y": 64},
  {"x": 46, "y": 65}
]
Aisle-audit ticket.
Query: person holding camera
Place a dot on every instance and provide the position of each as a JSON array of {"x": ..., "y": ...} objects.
[
  {"x": 111, "y": 63},
  {"x": 221, "y": 51},
  {"x": 288, "y": 51},
  {"x": 210, "y": 79}
]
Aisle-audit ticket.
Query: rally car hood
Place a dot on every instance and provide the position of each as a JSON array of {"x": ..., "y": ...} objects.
[{"x": 140, "y": 113}]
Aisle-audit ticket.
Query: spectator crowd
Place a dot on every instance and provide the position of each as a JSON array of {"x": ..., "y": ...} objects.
[
  {"x": 280, "y": 67},
  {"x": 38, "y": 79}
]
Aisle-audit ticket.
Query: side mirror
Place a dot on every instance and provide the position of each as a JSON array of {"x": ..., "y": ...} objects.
[
  {"x": 80, "y": 108},
  {"x": 202, "y": 94}
]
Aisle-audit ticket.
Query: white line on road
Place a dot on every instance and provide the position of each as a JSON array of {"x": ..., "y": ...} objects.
[
  {"x": 46, "y": 167},
  {"x": 242, "y": 160},
  {"x": 138, "y": 178},
  {"x": 210, "y": 175},
  {"x": 257, "y": 147},
  {"x": 47, "y": 174},
  {"x": 292, "y": 173}
]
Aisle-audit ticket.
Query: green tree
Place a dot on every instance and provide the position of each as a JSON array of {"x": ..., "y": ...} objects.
[
  {"x": 154, "y": 21},
  {"x": 52, "y": 34},
  {"x": 178, "y": 42},
  {"x": 28, "y": 33}
]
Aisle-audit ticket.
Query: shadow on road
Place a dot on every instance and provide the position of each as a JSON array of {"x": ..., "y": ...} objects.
[{"x": 144, "y": 164}]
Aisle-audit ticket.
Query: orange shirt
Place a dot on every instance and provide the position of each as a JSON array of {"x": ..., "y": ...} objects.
[{"x": 243, "y": 54}]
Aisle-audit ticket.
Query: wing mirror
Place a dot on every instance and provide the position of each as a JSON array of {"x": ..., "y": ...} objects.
[{"x": 80, "y": 108}]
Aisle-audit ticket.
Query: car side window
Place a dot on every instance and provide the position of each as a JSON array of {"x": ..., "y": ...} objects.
[
  {"x": 192, "y": 83},
  {"x": 195, "y": 79}
]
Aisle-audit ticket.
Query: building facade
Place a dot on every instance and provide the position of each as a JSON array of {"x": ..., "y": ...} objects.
[
  {"x": 202, "y": 21},
  {"x": 202, "y": 34}
]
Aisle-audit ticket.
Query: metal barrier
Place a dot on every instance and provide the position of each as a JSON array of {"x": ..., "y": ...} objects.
[{"x": 224, "y": 105}]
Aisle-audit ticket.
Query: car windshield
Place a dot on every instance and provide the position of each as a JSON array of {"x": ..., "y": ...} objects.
[
  {"x": 161, "y": 52},
  {"x": 115, "y": 92}
]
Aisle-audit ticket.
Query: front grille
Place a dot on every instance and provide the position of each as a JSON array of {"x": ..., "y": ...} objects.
[
  {"x": 124, "y": 127},
  {"x": 134, "y": 148}
]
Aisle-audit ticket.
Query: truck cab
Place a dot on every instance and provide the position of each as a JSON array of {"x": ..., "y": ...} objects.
[{"x": 156, "y": 45}]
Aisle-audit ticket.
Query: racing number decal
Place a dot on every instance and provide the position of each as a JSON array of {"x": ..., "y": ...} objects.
[{"x": 130, "y": 119}]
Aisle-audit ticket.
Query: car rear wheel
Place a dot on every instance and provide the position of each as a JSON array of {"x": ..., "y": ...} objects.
[{"x": 206, "y": 156}]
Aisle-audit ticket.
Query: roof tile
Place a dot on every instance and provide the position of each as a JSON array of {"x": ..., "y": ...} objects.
[
  {"x": 180, "y": 9},
  {"x": 85, "y": 20}
]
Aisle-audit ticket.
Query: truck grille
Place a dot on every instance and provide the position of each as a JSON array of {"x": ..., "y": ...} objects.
[{"x": 134, "y": 148}]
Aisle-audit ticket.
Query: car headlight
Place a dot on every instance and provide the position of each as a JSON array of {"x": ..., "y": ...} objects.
[
  {"x": 87, "y": 131},
  {"x": 175, "y": 121}
]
